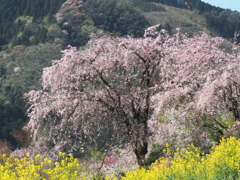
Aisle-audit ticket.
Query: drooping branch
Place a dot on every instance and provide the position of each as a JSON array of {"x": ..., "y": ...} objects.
[
  {"x": 73, "y": 111},
  {"x": 218, "y": 123},
  {"x": 107, "y": 105},
  {"x": 216, "y": 129}
]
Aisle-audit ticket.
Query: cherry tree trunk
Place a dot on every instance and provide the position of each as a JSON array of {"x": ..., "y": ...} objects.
[{"x": 141, "y": 149}]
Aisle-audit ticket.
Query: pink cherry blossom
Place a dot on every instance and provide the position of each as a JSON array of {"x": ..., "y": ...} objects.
[{"x": 111, "y": 88}]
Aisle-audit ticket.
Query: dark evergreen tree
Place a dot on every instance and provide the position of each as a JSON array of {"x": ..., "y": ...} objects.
[
  {"x": 41, "y": 34},
  {"x": 112, "y": 17},
  {"x": 11, "y": 9}
]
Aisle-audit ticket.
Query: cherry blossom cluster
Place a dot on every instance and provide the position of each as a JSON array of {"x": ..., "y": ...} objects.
[{"x": 117, "y": 88}]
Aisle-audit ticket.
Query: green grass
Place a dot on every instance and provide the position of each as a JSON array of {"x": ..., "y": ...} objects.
[{"x": 189, "y": 21}]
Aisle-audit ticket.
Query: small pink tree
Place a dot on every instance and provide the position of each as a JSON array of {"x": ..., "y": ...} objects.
[{"x": 117, "y": 84}]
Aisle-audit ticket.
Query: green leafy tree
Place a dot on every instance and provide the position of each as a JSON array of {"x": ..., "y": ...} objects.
[{"x": 116, "y": 17}]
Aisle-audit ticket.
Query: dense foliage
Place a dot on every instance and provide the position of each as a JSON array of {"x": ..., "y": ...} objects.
[
  {"x": 30, "y": 25},
  {"x": 116, "y": 18},
  {"x": 224, "y": 23},
  {"x": 35, "y": 22},
  {"x": 12, "y": 113},
  {"x": 10, "y": 11},
  {"x": 21, "y": 69}
]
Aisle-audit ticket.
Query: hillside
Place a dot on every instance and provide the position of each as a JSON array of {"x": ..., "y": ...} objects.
[
  {"x": 220, "y": 22},
  {"x": 26, "y": 23},
  {"x": 189, "y": 21}
]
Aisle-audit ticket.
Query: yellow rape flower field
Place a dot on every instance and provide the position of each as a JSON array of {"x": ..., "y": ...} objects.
[
  {"x": 223, "y": 162},
  {"x": 25, "y": 169}
]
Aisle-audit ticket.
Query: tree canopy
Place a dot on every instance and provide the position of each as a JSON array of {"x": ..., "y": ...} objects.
[{"x": 116, "y": 85}]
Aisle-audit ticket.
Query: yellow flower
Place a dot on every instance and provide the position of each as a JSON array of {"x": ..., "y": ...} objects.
[{"x": 222, "y": 163}]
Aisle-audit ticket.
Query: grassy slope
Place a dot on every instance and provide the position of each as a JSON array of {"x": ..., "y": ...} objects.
[{"x": 189, "y": 21}]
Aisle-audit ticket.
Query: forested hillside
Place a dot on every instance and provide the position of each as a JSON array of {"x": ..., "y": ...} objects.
[
  {"x": 11, "y": 23},
  {"x": 32, "y": 22},
  {"x": 33, "y": 33},
  {"x": 26, "y": 22}
]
